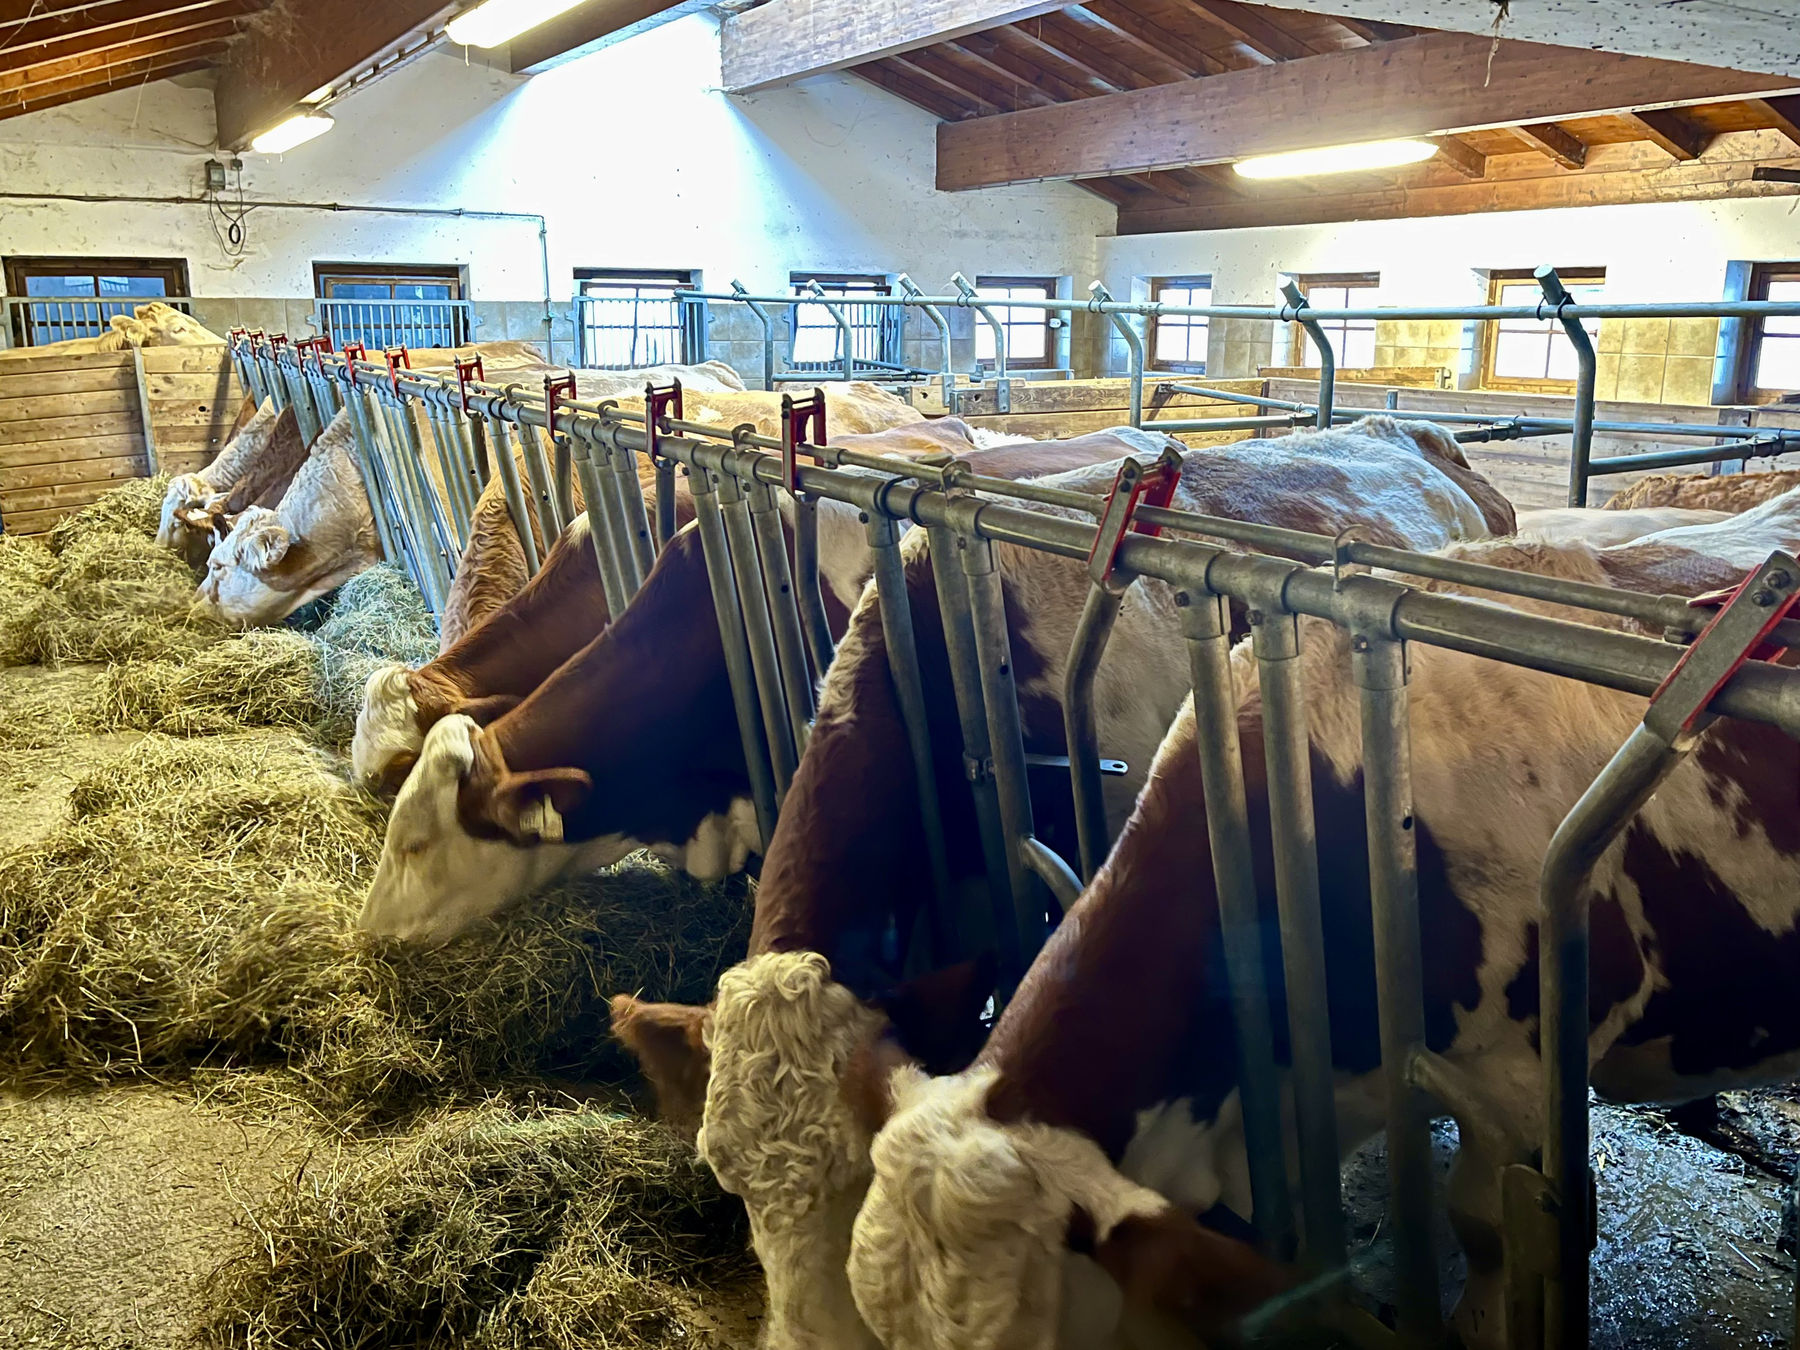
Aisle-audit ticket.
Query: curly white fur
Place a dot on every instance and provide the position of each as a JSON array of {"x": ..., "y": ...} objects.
[
  {"x": 960, "y": 1241},
  {"x": 387, "y": 724},
  {"x": 778, "y": 1131}
]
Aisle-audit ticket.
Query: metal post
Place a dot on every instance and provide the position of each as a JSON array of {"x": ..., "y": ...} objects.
[
  {"x": 784, "y": 612},
  {"x": 1206, "y": 626},
  {"x": 1296, "y": 298},
  {"x": 909, "y": 692},
  {"x": 600, "y": 530},
  {"x": 1134, "y": 346},
  {"x": 970, "y": 299},
  {"x": 759, "y": 630},
  {"x": 719, "y": 573},
  {"x": 434, "y": 530},
  {"x": 768, "y": 333},
  {"x": 1080, "y": 729},
  {"x": 448, "y": 451},
  {"x": 971, "y": 709},
  {"x": 1379, "y": 668},
  {"x": 500, "y": 444},
  {"x": 845, "y": 330},
  {"x": 1275, "y": 638},
  {"x": 372, "y": 486},
  {"x": 561, "y": 479},
  {"x": 819, "y": 643},
  {"x": 1581, "y": 434},
  {"x": 603, "y": 452},
  {"x": 1006, "y": 741},
  {"x": 537, "y": 471},
  {"x": 946, "y": 373},
  {"x": 633, "y": 515}
]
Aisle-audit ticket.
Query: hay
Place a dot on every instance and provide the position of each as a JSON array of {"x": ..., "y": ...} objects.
[
  {"x": 134, "y": 508},
  {"x": 491, "y": 1228},
  {"x": 197, "y": 912},
  {"x": 26, "y": 569}
]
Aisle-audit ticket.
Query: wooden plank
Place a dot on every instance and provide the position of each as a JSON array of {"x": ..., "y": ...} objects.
[
  {"x": 214, "y": 385},
  {"x": 122, "y": 421},
  {"x": 1432, "y": 85},
  {"x": 266, "y": 72},
  {"x": 64, "y": 451},
  {"x": 29, "y": 36},
  {"x": 1461, "y": 156},
  {"x": 1614, "y": 176},
  {"x": 1682, "y": 138},
  {"x": 201, "y": 358},
  {"x": 60, "y": 494},
  {"x": 186, "y": 461},
  {"x": 59, "y": 60},
  {"x": 44, "y": 406},
  {"x": 588, "y": 28},
  {"x": 29, "y": 361},
  {"x": 1783, "y": 114},
  {"x": 79, "y": 471},
  {"x": 143, "y": 395},
  {"x": 785, "y": 40},
  {"x": 1566, "y": 148},
  {"x": 1405, "y": 377},
  {"x": 57, "y": 382},
  {"x": 188, "y": 412},
  {"x": 25, "y": 523},
  {"x": 134, "y": 76}
]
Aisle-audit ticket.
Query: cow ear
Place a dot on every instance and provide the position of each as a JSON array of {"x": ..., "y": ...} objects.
[
  {"x": 938, "y": 1016},
  {"x": 1169, "y": 1261},
  {"x": 669, "y": 1040},
  {"x": 530, "y": 806},
  {"x": 481, "y": 711}
]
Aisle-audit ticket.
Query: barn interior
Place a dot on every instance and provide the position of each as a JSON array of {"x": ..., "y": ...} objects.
[{"x": 417, "y": 247}]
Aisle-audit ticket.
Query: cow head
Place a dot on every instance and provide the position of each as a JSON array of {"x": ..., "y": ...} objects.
[
  {"x": 387, "y": 740},
  {"x": 126, "y": 333},
  {"x": 161, "y": 325},
  {"x": 437, "y": 879},
  {"x": 242, "y": 585},
  {"x": 190, "y": 511}
]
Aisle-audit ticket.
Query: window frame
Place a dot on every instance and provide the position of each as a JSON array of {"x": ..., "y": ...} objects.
[
  {"x": 1744, "y": 386},
  {"x": 21, "y": 268},
  {"x": 1050, "y": 322},
  {"x": 1190, "y": 282},
  {"x": 459, "y": 331},
  {"x": 1339, "y": 329},
  {"x": 1497, "y": 280},
  {"x": 888, "y": 340},
  {"x": 690, "y": 329}
]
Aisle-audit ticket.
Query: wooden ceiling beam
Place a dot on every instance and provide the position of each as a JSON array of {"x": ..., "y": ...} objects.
[
  {"x": 1153, "y": 39},
  {"x": 932, "y": 99},
  {"x": 1108, "y": 189},
  {"x": 1680, "y": 136},
  {"x": 19, "y": 37},
  {"x": 267, "y": 71},
  {"x": 786, "y": 40},
  {"x": 1566, "y": 148},
  {"x": 1249, "y": 27},
  {"x": 1432, "y": 85},
  {"x": 1371, "y": 30},
  {"x": 589, "y": 28},
  {"x": 990, "y": 81},
  {"x": 64, "y": 62},
  {"x": 917, "y": 67},
  {"x": 983, "y": 50},
  {"x": 1783, "y": 114},
  {"x": 1461, "y": 156},
  {"x": 1062, "y": 39},
  {"x": 91, "y": 84}
]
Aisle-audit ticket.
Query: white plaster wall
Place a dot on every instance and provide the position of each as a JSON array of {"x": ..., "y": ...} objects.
[{"x": 633, "y": 154}]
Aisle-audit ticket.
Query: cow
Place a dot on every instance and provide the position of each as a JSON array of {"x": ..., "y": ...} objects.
[
  {"x": 549, "y": 622},
  {"x": 1731, "y": 492},
  {"x": 1102, "y": 1114},
  {"x": 817, "y": 982},
  {"x": 153, "y": 324},
  {"x": 320, "y": 535},
  {"x": 255, "y": 467},
  {"x": 1602, "y": 528},
  {"x": 517, "y": 361}
]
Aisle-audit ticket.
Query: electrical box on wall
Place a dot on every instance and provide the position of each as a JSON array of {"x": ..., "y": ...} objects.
[{"x": 215, "y": 176}]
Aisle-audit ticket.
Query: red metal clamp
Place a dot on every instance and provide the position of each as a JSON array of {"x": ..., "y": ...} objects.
[
  {"x": 396, "y": 357},
  {"x": 353, "y": 352},
  {"x": 657, "y": 403},
  {"x": 802, "y": 426},
  {"x": 277, "y": 341},
  {"x": 465, "y": 367},
  {"x": 257, "y": 338},
  {"x": 1739, "y": 633},
  {"x": 1136, "y": 485},
  {"x": 320, "y": 347},
  {"x": 554, "y": 385},
  {"x": 233, "y": 336}
]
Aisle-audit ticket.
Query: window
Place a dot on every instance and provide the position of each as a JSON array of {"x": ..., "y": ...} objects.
[
  {"x": 1771, "y": 354},
  {"x": 392, "y": 304},
  {"x": 1030, "y": 337},
  {"x": 631, "y": 319},
  {"x": 1352, "y": 340},
  {"x": 818, "y": 342},
  {"x": 1535, "y": 354},
  {"x": 1178, "y": 341},
  {"x": 58, "y": 298}
]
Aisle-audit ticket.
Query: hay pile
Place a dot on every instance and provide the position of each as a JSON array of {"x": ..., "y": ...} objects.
[
  {"x": 103, "y": 592},
  {"x": 277, "y": 677},
  {"x": 490, "y": 1228},
  {"x": 197, "y": 913}
]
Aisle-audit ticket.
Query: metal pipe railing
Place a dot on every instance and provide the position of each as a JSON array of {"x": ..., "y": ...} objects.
[
  {"x": 1134, "y": 350},
  {"x": 946, "y": 375}
]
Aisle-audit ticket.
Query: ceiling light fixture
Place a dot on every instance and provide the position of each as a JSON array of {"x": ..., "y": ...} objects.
[
  {"x": 317, "y": 96},
  {"x": 297, "y": 130},
  {"x": 494, "y": 23},
  {"x": 1336, "y": 159}
]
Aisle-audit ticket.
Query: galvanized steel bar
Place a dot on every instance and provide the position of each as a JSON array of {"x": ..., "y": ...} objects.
[
  {"x": 1307, "y": 319},
  {"x": 784, "y": 611},
  {"x": 561, "y": 480},
  {"x": 971, "y": 299},
  {"x": 537, "y": 473},
  {"x": 1134, "y": 348},
  {"x": 1047, "y": 866},
  {"x": 600, "y": 529},
  {"x": 763, "y": 317},
  {"x": 433, "y": 530},
  {"x": 500, "y": 446},
  {"x": 721, "y": 576},
  {"x": 1379, "y": 669},
  {"x": 1206, "y": 626},
  {"x": 603, "y": 451},
  {"x": 448, "y": 451},
  {"x": 1080, "y": 725},
  {"x": 379, "y": 505},
  {"x": 808, "y": 586},
  {"x": 1254, "y": 400},
  {"x": 946, "y": 362},
  {"x": 635, "y": 518},
  {"x": 845, "y": 329},
  {"x": 909, "y": 692},
  {"x": 1581, "y": 434},
  {"x": 758, "y": 630}
]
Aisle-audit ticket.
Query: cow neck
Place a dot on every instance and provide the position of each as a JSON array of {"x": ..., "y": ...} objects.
[
  {"x": 644, "y": 709},
  {"x": 521, "y": 644}
]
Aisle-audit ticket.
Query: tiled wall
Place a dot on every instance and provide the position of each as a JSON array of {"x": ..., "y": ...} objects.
[
  {"x": 1422, "y": 342},
  {"x": 1656, "y": 360},
  {"x": 495, "y": 320}
]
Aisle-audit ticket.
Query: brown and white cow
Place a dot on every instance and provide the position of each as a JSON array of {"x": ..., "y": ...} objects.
[
  {"x": 320, "y": 536},
  {"x": 1603, "y": 528},
  {"x": 1731, "y": 492},
  {"x": 564, "y": 608},
  {"x": 1103, "y": 1109},
  {"x": 255, "y": 467},
  {"x": 789, "y": 1023},
  {"x": 152, "y": 324}
]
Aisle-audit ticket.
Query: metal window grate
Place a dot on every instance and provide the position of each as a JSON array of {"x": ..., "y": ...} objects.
[
  {"x": 624, "y": 322},
  {"x": 816, "y": 342},
  {"x": 396, "y": 323}
]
